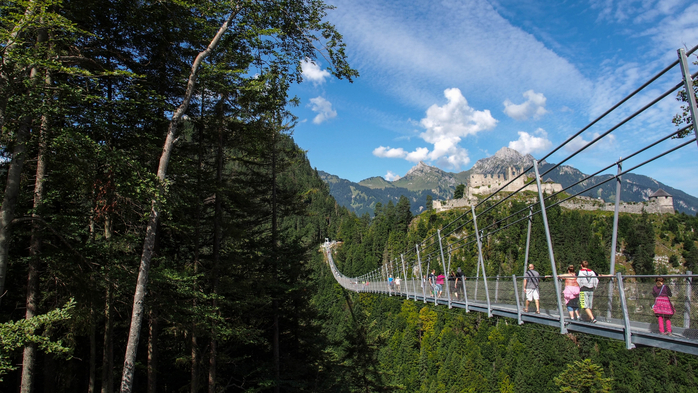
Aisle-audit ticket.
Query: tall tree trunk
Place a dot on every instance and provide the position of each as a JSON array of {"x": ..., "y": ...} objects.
[
  {"x": 195, "y": 360},
  {"x": 5, "y": 79},
  {"x": 151, "y": 231},
  {"x": 9, "y": 200},
  {"x": 108, "y": 353},
  {"x": 93, "y": 353},
  {"x": 34, "y": 265},
  {"x": 217, "y": 239},
  {"x": 274, "y": 239},
  {"x": 212, "y": 366},
  {"x": 153, "y": 352}
]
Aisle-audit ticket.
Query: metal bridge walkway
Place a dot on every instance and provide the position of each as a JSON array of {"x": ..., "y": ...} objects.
[{"x": 626, "y": 318}]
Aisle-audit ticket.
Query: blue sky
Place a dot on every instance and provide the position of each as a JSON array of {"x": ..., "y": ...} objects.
[{"x": 451, "y": 82}]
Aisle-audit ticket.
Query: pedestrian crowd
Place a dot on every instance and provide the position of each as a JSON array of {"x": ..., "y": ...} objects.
[{"x": 578, "y": 292}]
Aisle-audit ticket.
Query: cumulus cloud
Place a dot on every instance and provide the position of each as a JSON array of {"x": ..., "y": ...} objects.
[
  {"x": 444, "y": 127},
  {"x": 420, "y": 154},
  {"x": 323, "y": 108},
  {"x": 387, "y": 152},
  {"x": 313, "y": 72},
  {"x": 534, "y": 106},
  {"x": 390, "y": 176},
  {"x": 528, "y": 143}
]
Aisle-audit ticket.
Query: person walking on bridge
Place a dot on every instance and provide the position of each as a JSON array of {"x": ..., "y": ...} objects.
[
  {"x": 432, "y": 281},
  {"x": 440, "y": 284},
  {"x": 459, "y": 280},
  {"x": 531, "y": 283},
  {"x": 452, "y": 280},
  {"x": 571, "y": 292},
  {"x": 588, "y": 281}
]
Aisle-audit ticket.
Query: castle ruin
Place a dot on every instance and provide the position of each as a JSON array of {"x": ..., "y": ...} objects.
[{"x": 480, "y": 185}]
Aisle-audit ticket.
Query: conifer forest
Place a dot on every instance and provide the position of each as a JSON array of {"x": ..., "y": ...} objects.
[{"x": 160, "y": 229}]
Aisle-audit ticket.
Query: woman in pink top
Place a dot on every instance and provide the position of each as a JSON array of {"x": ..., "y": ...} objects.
[
  {"x": 571, "y": 292},
  {"x": 440, "y": 284},
  {"x": 663, "y": 309}
]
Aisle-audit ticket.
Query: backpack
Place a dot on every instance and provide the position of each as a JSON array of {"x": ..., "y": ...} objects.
[
  {"x": 587, "y": 278},
  {"x": 534, "y": 279}
]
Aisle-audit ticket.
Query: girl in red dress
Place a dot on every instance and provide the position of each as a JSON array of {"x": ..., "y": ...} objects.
[{"x": 663, "y": 309}]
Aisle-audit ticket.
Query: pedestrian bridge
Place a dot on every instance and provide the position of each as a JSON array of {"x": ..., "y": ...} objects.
[{"x": 622, "y": 303}]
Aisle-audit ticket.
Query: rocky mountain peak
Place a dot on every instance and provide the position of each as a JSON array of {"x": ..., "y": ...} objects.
[
  {"x": 420, "y": 168},
  {"x": 508, "y": 154},
  {"x": 501, "y": 160}
]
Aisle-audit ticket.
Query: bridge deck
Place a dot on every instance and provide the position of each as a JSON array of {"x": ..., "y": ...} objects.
[{"x": 505, "y": 302}]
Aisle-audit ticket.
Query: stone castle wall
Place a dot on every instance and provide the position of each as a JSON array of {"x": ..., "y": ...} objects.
[
  {"x": 442, "y": 206},
  {"x": 651, "y": 206},
  {"x": 480, "y": 185},
  {"x": 578, "y": 203},
  {"x": 487, "y": 184}
]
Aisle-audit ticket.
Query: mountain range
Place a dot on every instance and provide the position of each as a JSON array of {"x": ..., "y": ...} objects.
[{"x": 423, "y": 180}]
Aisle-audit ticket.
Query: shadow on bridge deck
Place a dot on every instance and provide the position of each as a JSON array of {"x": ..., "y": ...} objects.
[{"x": 508, "y": 304}]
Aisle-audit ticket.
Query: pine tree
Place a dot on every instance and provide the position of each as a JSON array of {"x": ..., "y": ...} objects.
[{"x": 460, "y": 190}]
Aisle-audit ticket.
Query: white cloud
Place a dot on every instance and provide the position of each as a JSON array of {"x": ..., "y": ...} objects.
[
  {"x": 445, "y": 126},
  {"x": 396, "y": 41},
  {"x": 387, "y": 152},
  {"x": 639, "y": 11},
  {"x": 323, "y": 108},
  {"x": 528, "y": 143},
  {"x": 420, "y": 154},
  {"x": 313, "y": 72},
  {"x": 676, "y": 30},
  {"x": 533, "y": 107},
  {"x": 390, "y": 176}
]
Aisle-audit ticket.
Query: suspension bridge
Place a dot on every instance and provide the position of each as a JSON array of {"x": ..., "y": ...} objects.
[{"x": 623, "y": 304}]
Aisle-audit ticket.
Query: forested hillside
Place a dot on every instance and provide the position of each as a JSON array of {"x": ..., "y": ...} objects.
[
  {"x": 362, "y": 199},
  {"x": 415, "y": 347}
]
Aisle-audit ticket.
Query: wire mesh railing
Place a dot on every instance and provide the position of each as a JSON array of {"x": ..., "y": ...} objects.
[{"x": 635, "y": 311}]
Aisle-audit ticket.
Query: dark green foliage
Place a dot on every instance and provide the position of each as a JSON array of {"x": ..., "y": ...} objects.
[
  {"x": 423, "y": 348},
  {"x": 640, "y": 245},
  {"x": 674, "y": 261},
  {"x": 458, "y": 193},
  {"x": 242, "y": 210},
  {"x": 690, "y": 255},
  {"x": 583, "y": 377}
]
